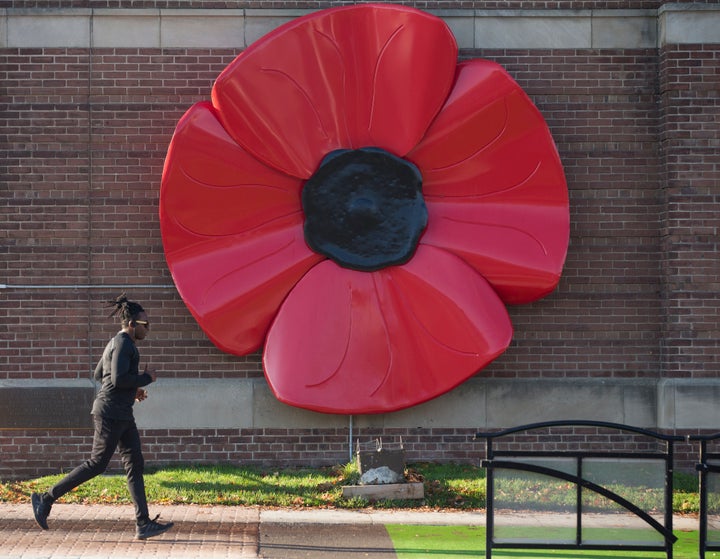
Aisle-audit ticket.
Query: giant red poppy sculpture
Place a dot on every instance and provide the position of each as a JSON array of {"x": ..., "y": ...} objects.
[{"x": 363, "y": 207}]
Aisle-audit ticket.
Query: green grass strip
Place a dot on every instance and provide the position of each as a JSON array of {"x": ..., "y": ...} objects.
[
  {"x": 453, "y": 542},
  {"x": 446, "y": 486}
]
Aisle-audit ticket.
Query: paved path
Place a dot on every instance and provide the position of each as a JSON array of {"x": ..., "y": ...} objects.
[{"x": 107, "y": 531}]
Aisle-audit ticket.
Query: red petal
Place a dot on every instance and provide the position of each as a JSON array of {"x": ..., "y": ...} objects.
[
  {"x": 366, "y": 75},
  {"x": 520, "y": 249},
  {"x": 212, "y": 187},
  {"x": 232, "y": 232},
  {"x": 234, "y": 285},
  {"x": 494, "y": 185},
  {"x": 471, "y": 119},
  {"x": 352, "y": 342}
]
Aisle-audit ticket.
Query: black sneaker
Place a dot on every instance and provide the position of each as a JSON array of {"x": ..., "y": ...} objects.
[
  {"x": 41, "y": 509},
  {"x": 152, "y": 528}
]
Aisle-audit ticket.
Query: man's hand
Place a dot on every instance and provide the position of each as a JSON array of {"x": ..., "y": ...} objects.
[
  {"x": 141, "y": 395},
  {"x": 152, "y": 373}
]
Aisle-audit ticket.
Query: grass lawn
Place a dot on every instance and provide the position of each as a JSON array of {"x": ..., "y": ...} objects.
[
  {"x": 447, "y": 486},
  {"x": 453, "y": 486},
  {"x": 452, "y": 542}
]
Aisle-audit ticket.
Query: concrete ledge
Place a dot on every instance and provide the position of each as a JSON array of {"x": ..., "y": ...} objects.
[
  {"x": 533, "y": 29},
  {"x": 690, "y": 404},
  {"x": 50, "y": 405},
  {"x": 47, "y": 28},
  {"x": 689, "y": 24},
  {"x": 238, "y": 28},
  {"x": 202, "y": 28},
  {"x": 479, "y": 403},
  {"x": 624, "y": 29},
  {"x": 390, "y": 491},
  {"x": 117, "y": 27}
]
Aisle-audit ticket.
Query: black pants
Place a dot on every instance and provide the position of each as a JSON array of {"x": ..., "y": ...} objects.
[{"x": 111, "y": 434}]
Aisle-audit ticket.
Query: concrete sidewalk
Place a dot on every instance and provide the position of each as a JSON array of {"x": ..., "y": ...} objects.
[{"x": 107, "y": 531}]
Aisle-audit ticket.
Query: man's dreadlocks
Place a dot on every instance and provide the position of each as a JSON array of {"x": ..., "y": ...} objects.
[{"x": 127, "y": 310}]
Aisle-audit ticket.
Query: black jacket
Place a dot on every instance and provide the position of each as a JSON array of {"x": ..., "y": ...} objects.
[{"x": 118, "y": 371}]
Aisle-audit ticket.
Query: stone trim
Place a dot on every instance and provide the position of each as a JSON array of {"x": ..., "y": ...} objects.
[
  {"x": 46, "y": 404},
  {"x": 662, "y": 404},
  {"x": 473, "y": 29}
]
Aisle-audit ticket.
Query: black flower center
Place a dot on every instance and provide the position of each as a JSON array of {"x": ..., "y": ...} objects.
[{"x": 364, "y": 209}]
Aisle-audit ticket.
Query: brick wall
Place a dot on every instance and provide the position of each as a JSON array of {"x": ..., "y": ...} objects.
[
  {"x": 26, "y": 452},
  {"x": 29, "y": 452},
  {"x": 85, "y": 134},
  {"x": 601, "y": 106},
  {"x": 688, "y": 136}
]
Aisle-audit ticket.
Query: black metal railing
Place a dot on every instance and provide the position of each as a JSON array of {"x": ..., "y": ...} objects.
[
  {"x": 660, "y": 457},
  {"x": 708, "y": 469}
]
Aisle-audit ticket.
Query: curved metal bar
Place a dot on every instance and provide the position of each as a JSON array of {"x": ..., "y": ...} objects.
[
  {"x": 579, "y": 423},
  {"x": 667, "y": 534},
  {"x": 711, "y": 437}
]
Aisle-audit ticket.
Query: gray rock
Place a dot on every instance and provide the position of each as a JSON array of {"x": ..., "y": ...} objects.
[{"x": 380, "y": 476}]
